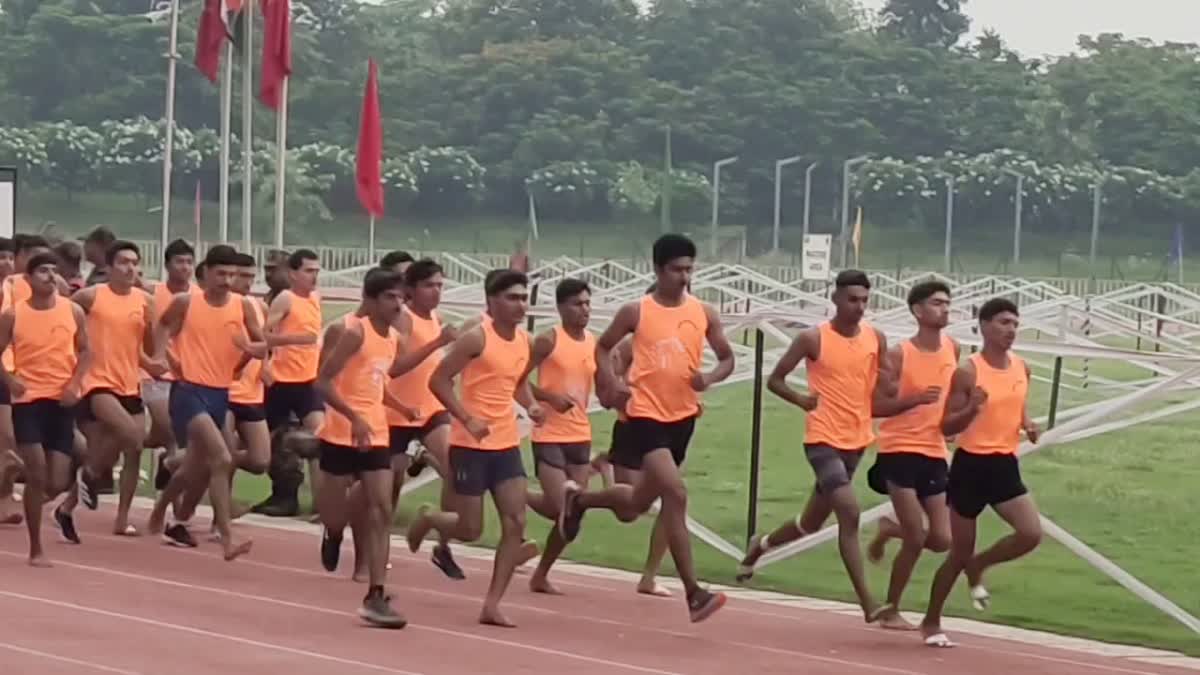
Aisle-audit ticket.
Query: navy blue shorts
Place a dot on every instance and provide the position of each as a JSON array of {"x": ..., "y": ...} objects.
[{"x": 189, "y": 400}]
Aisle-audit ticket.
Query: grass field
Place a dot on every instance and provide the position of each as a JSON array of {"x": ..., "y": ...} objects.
[
  {"x": 1140, "y": 256},
  {"x": 1127, "y": 494}
]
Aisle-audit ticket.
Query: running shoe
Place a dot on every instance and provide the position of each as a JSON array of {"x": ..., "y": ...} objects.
[
  {"x": 377, "y": 610},
  {"x": 443, "y": 559},
  {"x": 177, "y": 534},
  {"x": 703, "y": 604},
  {"x": 331, "y": 550},
  {"x": 66, "y": 525}
]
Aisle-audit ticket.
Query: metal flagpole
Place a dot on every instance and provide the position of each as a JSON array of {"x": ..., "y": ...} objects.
[
  {"x": 281, "y": 162},
  {"x": 169, "y": 144},
  {"x": 247, "y": 127},
  {"x": 371, "y": 238},
  {"x": 226, "y": 113}
]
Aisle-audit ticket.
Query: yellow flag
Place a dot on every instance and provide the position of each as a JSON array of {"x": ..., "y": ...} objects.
[{"x": 857, "y": 237}]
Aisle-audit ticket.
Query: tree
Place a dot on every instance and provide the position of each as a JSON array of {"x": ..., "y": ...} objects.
[{"x": 925, "y": 23}]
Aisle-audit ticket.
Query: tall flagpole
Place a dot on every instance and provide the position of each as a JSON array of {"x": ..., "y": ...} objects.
[
  {"x": 247, "y": 126},
  {"x": 281, "y": 162},
  {"x": 371, "y": 238},
  {"x": 226, "y": 112},
  {"x": 169, "y": 145}
]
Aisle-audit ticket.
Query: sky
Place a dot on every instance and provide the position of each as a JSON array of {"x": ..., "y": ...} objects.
[{"x": 1050, "y": 27}]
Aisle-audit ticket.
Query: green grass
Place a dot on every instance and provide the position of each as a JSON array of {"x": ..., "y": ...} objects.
[{"x": 1127, "y": 494}]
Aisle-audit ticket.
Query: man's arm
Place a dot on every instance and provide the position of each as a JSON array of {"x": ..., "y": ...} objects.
[
  {"x": 349, "y": 341},
  {"x": 170, "y": 323},
  {"x": 83, "y": 358},
  {"x": 85, "y": 298},
  {"x": 610, "y": 389},
  {"x": 543, "y": 346},
  {"x": 963, "y": 403},
  {"x": 407, "y": 359},
  {"x": 804, "y": 346},
  {"x": 1033, "y": 431},
  {"x": 15, "y": 387},
  {"x": 887, "y": 401},
  {"x": 720, "y": 346},
  {"x": 441, "y": 383},
  {"x": 280, "y": 307},
  {"x": 524, "y": 394}
]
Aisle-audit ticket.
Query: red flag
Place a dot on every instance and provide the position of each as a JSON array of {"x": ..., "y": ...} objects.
[
  {"x": 368, "y": 174},
  {"x": 210, "y": 39},
  {"x": 277, "y": 50}
]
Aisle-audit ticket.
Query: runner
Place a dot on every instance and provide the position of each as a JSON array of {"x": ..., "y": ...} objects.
[
  {"x": 354, "y": 439},
  {"x": 485, "y": 456},
  {"x": 669, "y": 328},
  {"x": 911, "y": 465},
  {"x": 843, "y": 362},
  {"x": 10, "y": 463},
  {"x": 247, "y": 419},
  {"x": 210, "y": 329},
  {"x": 120, "y": 325},
  {"x": 422, "y": 338},
  {"x": 565, "y": 357},
  {"x": 50, "y": 349},
  {"x": 95, "y": 251},
  {"x": 70, "y": 260},
  {"x": 396, "y": 261},
  {"x": 296, "y": 314},
  {"x": 986, "y": 408},
  {"x": 179, "y": 260}
]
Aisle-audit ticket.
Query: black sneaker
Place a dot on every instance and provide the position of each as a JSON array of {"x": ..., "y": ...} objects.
[
  {"x": 417, "y": 466},
  {"x": 443, "y": 559},
  {"x": 66, "y": 525},
  {"x": 331, "y": 550},
  {"x": 571, "y": 517},
  {"x": 162, "y": 475},
  {"x": 703, "y": 604},
  {"x": 377, "y": 610},
  {"x": 178, "y": 535},
  {"x": 88, "y": 489}
]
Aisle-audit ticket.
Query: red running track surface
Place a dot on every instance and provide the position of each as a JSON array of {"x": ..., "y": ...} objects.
[{"x": 135, "y": 606}]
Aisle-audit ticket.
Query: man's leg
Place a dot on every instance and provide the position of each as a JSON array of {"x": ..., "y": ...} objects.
[
  {"x": 205, "y": 437},
  {"x": 910, "y": 524},
  {"x": 812, "y": 518},
  {"x": 648, "y": 584},
  {"x": 509, "y": 497},
  {"x": 306, "y": 443},
  {"x": 548, "y": 504},
  {"x": 466, "y": 522},
  {"x": 333, "y": 502},
  {"x": 10, "y": 468},
  {"x": 1021, "y": 514},
  {"x": 437, "y": 443},
  {"x": 118, "y": 434},
  {"x": 161, "y": 434},
  {"x": 35, "y": 495},
  {"x": 287, "y": 470},
  {"x": 377, "y": 517},
  {"x": 962, "y": 548}
]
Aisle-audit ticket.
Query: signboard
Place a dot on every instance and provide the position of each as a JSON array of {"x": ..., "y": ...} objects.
[
  {"x": 8, "y": 201},
  {"x": 816, "y": 255}
]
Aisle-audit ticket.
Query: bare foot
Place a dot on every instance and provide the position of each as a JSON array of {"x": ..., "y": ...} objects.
[
  {"x": 122, "y": 528},
  {"x": 234, "y": 551},
  {"x": 493, "y": 617},
  {"x": 239, "y": 509},
  {"x": 543, "y": 585},
  {"x": 418, "y": 528},
  {"x": 745, "y": 570},
  {"x": 878, "y": 546},
  {"x": 934, "y": 637},
  {"x": 529, "y": 551},
  {"x": 40, "y": 560},
  {"x": 8, "y": 517},
  {"x": 877, "y": 613},
  {"x": 893, "y": 620},
  {"x": 154, "y": 525},
  {"x": 360, "y": 576},
  {"x": 652, "y": 587}
]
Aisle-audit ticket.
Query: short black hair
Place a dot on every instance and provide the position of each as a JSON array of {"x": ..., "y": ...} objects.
[
  {"x": 199, "y": 271},
  {"x": 6, "y": 245},
  {"x": 395, "y": 258},
  {"x": 221, "y": 254},
  {"x": 70, "y": 253},
  {"x": 996, "y": 306},
  {"x": 118, "y": 246},
  {"x": 26, "y": 242},
  {"x": 503, "y": 280},
  {"x": 101, "y": 235},
  {"x": 297, "y": 258},
  {"x": 671, "y": 246},
  {"x": 569, "y": 288},
  {"x": 925, "y": 290},
  {"x": 176, "y": 248},
  {"x": 417, "y": 272},
  {"x": 651, "y": 288},
  {"x": 379, "y": 280},
  {"x": 245, "y": 260},
  {"x": 847, "y": 278},
  {"x": 39, "y": 260}
]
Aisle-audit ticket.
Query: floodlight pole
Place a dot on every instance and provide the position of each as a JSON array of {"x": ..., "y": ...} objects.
[
  {"x": 949, "y": 224},
  {"x": 716, "y": 202},
  {"x": 847, "y": 167},
  {"x": 779, "y": 164},
  {"x": 1017, "y": 212},
  {"x": 1097, "y": 198},
  {"x": 808, "y": 196}
]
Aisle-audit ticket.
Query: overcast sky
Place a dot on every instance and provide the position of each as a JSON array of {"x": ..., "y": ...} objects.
[{"x": 1037, "y": 27}]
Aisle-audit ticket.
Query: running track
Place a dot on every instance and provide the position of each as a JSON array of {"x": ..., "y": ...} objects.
[{"x": 136, "y": 607}]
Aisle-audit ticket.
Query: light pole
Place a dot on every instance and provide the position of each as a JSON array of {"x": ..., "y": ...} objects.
[
  {"x": 949, "y": 222},
  {"x": 847, "y": 167},
  {"x": 1097, "y": 197},
  {"x": 1017, "y": 215},
  {"x": 779, "y": 164},
  {"x": 808, "y": 195},
  {"x": 716, "y": 202}
]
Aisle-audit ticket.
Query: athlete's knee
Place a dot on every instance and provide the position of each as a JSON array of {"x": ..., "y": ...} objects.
[
  {"x": 512, "y": 524},
  {"x": 937, "y": 541},
  {"x": 675, "y": 496},
  {"x": 221, "y": 462},
  {"x": 1029, "y": 537},
  {"x": 255, "y": 464},
  {"x": 915, "y": 537}
]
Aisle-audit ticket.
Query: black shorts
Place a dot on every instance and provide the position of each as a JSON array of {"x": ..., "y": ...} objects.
[
  {"x": 620, "y": 451},
  {"x": 833, "y": 467},
  {"x": 84, "y": 413},
  {"x": 480, "y": 471},
  {"x": 341, "y": 460},
  {"x": 284, "y": 399},
  {"x": 244, "y": 413},
  {"x": 979, "y": 481},
  {"x": 562, "y": 455},
  {"x": 44, "y": 422},
  {"x": 5, "y": 395},
  {"x": 912, "y": 470},
  {"x": 642, "y": 435},
  {"x": 399, "y": 438}
]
